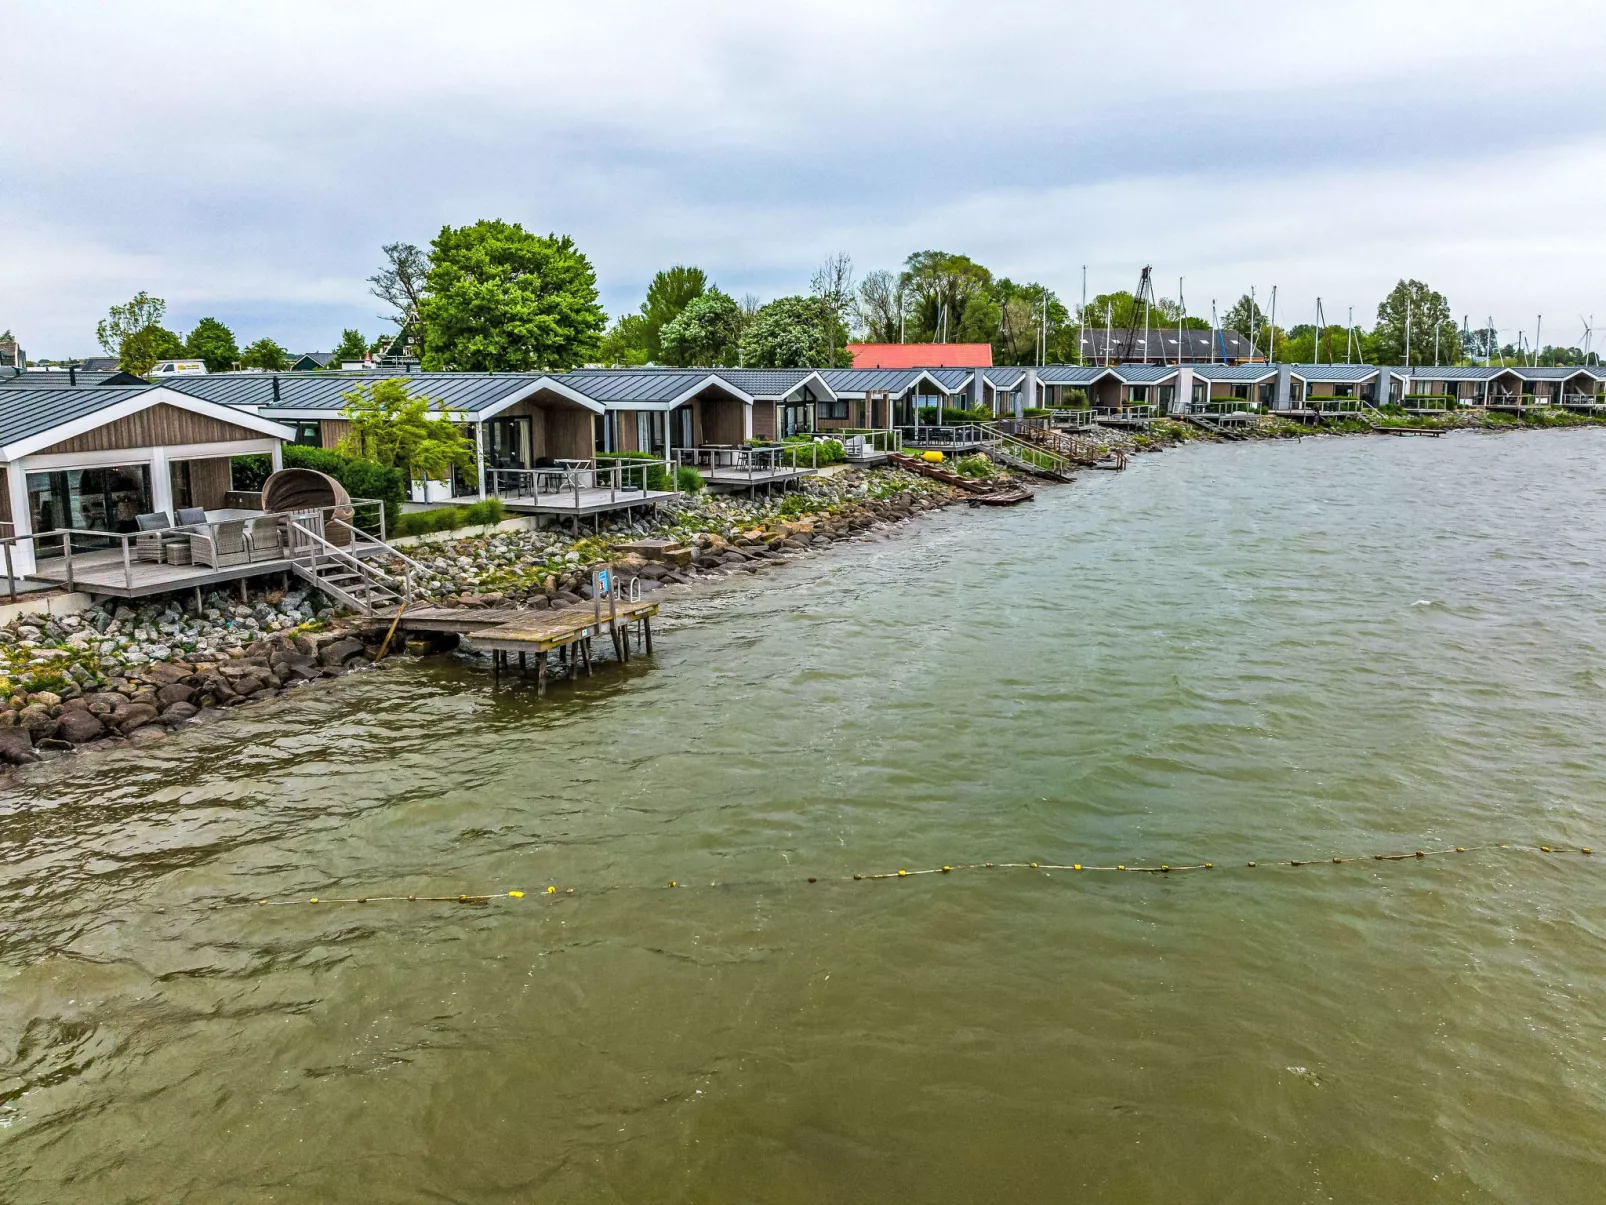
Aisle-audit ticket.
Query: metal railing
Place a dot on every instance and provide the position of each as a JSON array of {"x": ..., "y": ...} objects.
[
  {"x": 754, "y": 463},
  {"x": 1031, "y": 454},
  {"x": 321, "y": 552},
  {"x": 959, "y": 435},
  {"x": 875, "y": 439},
  {"x": 127, "y": 542},
  {"x": 624, "y": 477},
  {"x": 1071, "y": 420}
]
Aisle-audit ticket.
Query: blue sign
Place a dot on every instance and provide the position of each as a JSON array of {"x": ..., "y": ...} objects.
[{"x": 604, "y": 582}]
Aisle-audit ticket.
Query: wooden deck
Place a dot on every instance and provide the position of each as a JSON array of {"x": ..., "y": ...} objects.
[
  {"x": 582, "y": 503},
  {"x": 568, "y": 632},
  {"x": 726, "y": 479},
  {"x": 103, "y": 572}
]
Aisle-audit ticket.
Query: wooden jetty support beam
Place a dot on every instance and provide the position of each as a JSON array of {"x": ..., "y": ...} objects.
[{"x": 568, "y": 632}]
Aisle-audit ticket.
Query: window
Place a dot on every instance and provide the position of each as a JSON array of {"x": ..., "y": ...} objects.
[
  {"x": 1140, "y": 395},
  {"x": 309, "y": 435},
  {"x": 837, "y": 410}
]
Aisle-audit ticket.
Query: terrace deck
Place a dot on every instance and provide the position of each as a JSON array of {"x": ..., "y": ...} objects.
[
  {"x": 582, "y": 503},
  {"x": 103, "y": 572}
]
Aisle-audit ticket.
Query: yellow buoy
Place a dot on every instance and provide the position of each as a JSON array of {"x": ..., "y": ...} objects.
[{"x": 931, "y": 457}]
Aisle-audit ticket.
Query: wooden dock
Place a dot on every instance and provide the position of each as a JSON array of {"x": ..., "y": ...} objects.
[{"x": 568, "y": 632}]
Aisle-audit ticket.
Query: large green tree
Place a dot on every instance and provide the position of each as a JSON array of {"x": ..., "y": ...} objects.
[
  {"x": 133, "y": 332},
  {"x": 707, "y": 332},
  {"x": 265, "y": 353},
  {"x": 638, "y": 338},
  {"x": 501, "y": 299},
  {"x": 883, "y": 307},
  {"x": 941, "y": 286},
  {"x": 790, "y": 332},
  {"x": 352, "y": 346},
  {"x": 398, "y": 429},
  {"x": 1245, "y": 316},
  {"x": 1412, "y": 306},
  {"x": 213, "y": 344}
]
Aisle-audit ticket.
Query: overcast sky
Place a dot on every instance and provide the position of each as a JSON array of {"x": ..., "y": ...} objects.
[{"x": 246, "y": 160}]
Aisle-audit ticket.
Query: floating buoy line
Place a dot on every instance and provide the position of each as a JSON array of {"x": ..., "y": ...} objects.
[{"x": 552, "y": 892}]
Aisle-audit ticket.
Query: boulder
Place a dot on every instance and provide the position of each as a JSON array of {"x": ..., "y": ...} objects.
[
  {"x": 177, "y": 713},
  {"x": 38, "y": 721},
  {"x": 78, "y": 725},
  {"x": 338, "y": 653},
  {"x": 16, "y": 747},
  {"x": 46, "y": 698},
  {"x": 165, "y": 673},
  {"x": 175, "y": 693},
  {"x": 133, "y": 717},
  {"x": 247, "y": 686}
]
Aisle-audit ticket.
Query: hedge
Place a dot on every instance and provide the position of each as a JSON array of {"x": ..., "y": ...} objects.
[
  {"x": 362, "y": 479},
  {"x": 450, "y": 518}
]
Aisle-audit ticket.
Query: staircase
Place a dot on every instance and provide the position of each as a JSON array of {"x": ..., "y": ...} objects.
[
  {"x": 1026, "y": 457},
  {"x": 350, "y": 580},
  {"x": 1214, "y": 426}
]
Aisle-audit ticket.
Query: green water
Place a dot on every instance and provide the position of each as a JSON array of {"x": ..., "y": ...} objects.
[{"x": 1225, "y": 653}]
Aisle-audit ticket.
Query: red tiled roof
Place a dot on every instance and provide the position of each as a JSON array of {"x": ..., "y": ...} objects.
[{"x": 922, "y": 355}]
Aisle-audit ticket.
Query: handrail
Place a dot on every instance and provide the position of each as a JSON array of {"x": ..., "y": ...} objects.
[
  {"x": 1031, "y": 453},
  {"x": 364, "y": 570}
]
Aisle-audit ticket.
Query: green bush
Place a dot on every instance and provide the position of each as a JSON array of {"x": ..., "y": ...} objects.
[
  {"x": 689, "y": 480},
  {"x": 247, "y": 473},
  {"x": 826, "y": 451},
  {"x": 362, "y": 479},
  {"x": 954, "y": 418},
  {"x": 487, "y": 513},
  {"x": 657, "y": 477},
  {"x": 1036, "y": 412}
]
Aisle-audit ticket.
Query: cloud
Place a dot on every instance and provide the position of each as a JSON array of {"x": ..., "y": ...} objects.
[{"x": 248, "y": 160}]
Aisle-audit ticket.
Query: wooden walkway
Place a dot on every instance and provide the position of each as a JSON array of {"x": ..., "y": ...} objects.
[{"x": 569, "y": 632}]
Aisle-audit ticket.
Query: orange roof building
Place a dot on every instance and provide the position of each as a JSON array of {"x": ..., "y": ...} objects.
[{"x": 922, "y": 355}]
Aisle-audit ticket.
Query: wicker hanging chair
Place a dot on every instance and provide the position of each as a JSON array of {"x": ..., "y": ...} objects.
[{"x": 309, "y": 490}]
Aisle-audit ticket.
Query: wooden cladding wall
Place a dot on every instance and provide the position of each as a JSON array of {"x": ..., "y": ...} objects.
[
  {"x": 333, "y": 431},
  {"x": 210, "y": 482},
  {"x": 160, "y": 425},
  {"x": 5, "y": 497},
  {"x": 764, "y": 420}
]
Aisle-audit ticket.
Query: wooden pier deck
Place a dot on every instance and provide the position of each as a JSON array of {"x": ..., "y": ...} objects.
[{"x": 569, "y": 632}]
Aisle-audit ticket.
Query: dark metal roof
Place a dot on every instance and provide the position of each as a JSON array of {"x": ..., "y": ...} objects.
[
  {"x": 1069, "y": 374},
  {"x": 1235, "y": 372},
  {"x": 1163, "y": 342},
  {"x": 616, "y": 386},
  {"x": 765, "y": 382},
  {"x": 1547, "y": 373},
  {"x": 27, "y": 412},
  {"x": 880, "y": 380},
  {"x": 467, "y": 391},
  {"x": 1340, "y": 374},
  {"x": 1141, "y": 374},
  {"x": 53, "y": 378}
]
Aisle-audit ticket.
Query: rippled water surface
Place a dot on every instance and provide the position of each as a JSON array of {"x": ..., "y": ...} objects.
[{"x": 1227, "y": 653}]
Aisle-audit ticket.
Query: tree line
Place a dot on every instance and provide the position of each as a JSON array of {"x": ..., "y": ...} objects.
[{"x": 494, "y": 297}]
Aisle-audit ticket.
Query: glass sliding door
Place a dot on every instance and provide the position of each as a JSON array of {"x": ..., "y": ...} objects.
[{"x": 101, "y": 499}]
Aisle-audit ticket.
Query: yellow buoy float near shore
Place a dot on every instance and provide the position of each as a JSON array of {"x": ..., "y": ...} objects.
[{"x": 931, "y": 457}]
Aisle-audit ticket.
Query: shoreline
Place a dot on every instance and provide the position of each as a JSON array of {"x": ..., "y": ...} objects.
[{"x": 237, "y": 655}]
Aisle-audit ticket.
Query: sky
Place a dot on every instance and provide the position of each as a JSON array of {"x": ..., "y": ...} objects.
[{"x": 247, "y": 160}]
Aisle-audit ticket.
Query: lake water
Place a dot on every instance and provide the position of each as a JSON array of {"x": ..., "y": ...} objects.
[{"x": 1227, "y": 653}]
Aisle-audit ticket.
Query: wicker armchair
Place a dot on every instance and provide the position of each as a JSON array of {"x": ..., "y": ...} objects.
[
  {"x": 223, "y": 544},
  {"x": 155, "y": 534},
  {"x": 265, "y": 540}
]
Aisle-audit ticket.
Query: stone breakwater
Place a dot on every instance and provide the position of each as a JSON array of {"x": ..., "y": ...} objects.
[
  {"x": 706, "y": 536},
  {"x": 116, "y": 674}
]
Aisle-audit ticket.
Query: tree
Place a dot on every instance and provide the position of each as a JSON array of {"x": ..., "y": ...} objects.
[
  {"x": 400, "y": 283},
  {"x": 707, "y": 332},
  {"x": 625, "y": 344},
  {"x": 832, "y": 287},
  {"x": 265, "y": 353},
  {"x": 397, "y": 429},
  {"x": 1426, "y": 312},
  {"x": 352, "y": 346},
  {"x": 501, "y": 299},
  {"x": 883, "y": 307},
  {"x": 122, "y": 321},
  {"x": 670, "y": 292},
  {"x": 212, "y": 343},
  {"x": 940, "y": 286},
  {"x": 143, "y": 348},
  {"x": 789, "y": 333}
]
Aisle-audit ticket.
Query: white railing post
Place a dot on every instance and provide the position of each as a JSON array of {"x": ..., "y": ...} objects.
[{"x": 128, "y": 569}]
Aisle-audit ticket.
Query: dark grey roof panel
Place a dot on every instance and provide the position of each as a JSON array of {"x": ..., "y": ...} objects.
[
  {"x": 1341, "y": 374},
  {"x": 618, "y": 386},
  {"x": 880, "y": 380},
  {"x": 36, "y": 378},
  {"x": 26, "y": 412},
  {"x": 1235, "y": 372},
  {"x": 468, "y": 391}
]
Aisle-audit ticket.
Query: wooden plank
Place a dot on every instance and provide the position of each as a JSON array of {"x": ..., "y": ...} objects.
[
  {"x": 157, "y": 426},
  {"x": 542, "y": 631}
]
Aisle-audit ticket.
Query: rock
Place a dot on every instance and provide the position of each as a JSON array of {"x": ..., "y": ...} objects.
[
  {"x": 176, "y": 693},
  {"x": 133, "y": 717},
  {"x": 567, "y": 599},
  {"x": 306, "y": 644},
  {"x": 247, "y": 686},
  {"x": 177, "y": 713},
  {"x": 340, "y": 652},
  {"x": 147, "y": 735},
  {"x": 165, "y": 673},
  {"x": 16, "y": 747},
  {"x": 46, "y": 698},
  {"x": 38, "y": 721},
  {"x": 78, "y": 725}
]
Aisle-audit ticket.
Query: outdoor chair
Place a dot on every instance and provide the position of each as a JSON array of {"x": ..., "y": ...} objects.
[
  {"x": 264, "y": 540},
  {"x": 192, "y": 516},
  {"x": 155, "y": 534},
  {"x": 222, "y": 545}
]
